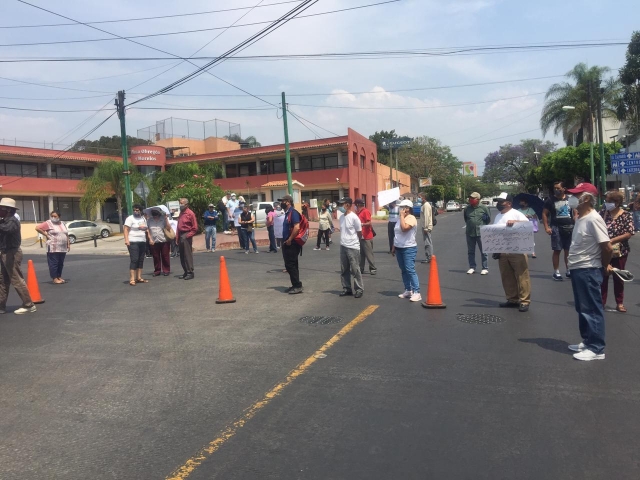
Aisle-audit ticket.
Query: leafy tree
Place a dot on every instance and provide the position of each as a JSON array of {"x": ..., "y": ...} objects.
[
  {"x": 378, "y": 138},
  {"x": 192, "y": 181},
  {"x": 107, "y": 181},
  {"x": 512, "y": 163},
  {"x": 428, "y": 157},
  {"x": 108, "y": 145},
  {"x": 249, "y": 142},
  {"x": 628, "y": 108},
  {"x": 474, "y": 184},
  {"x": 576, "y": 95}
]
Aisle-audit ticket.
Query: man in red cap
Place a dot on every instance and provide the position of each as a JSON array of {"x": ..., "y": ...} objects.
[{"x": 589, "y": 257}]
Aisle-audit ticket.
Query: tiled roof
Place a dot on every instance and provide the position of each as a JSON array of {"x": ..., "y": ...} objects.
[
  {"x": 52, "y": 154},
  {"x": 282, "y": 183},
  {"x": 252, "y": 152}
]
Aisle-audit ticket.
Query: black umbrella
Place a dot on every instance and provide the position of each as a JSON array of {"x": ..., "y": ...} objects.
[{"x": 533, "y": 201}]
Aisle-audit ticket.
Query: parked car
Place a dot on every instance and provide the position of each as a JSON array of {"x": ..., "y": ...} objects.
[
  {"x": 85, "y": 230},
  {"x": 453, "y": 206},
  {"x": 260, "y": 212}
]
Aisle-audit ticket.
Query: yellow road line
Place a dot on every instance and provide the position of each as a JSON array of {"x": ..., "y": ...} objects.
[{"x": 194, "y": 462}]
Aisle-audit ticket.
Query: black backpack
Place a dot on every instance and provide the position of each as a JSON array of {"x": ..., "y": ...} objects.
[{"x": 221, "y": 207}]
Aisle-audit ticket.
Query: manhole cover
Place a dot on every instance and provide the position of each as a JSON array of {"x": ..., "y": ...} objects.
[
  {"x": 480, "y": 318},
  {"x": 320, "y": 320}
]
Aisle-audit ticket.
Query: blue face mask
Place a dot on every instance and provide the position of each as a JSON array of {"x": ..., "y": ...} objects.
[{"x": 609, "y": 206}]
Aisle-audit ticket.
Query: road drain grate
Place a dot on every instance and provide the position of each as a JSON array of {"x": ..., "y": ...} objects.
[
  {"x": 320, "y": 320},
  {"x": 479, "y": 318}
]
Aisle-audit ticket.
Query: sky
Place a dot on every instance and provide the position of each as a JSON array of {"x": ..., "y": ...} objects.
[{"x": 363, "y": 94}]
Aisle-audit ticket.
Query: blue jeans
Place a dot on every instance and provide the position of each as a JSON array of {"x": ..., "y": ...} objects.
[
  {"x": 407, "y": 263},
  {"x": 636, "y": 220},
  {"x": 225, "y": 220},
  {"x": 586, "y": 284},
  {"x": 272, "y": 240},
  {"x": 249, "y": 236},
  {"x": 210, "y": 236},
  {"x": 471, "y": 251}
]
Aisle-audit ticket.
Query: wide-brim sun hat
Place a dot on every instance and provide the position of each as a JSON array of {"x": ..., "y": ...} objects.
[
  {"x": 162, "y": 208},
  {"x": 8, "y": 202}
]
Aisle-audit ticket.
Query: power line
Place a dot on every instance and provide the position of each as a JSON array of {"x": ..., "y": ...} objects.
[
  {"x": 148, "y": 18},
  {"x": 315, "y": 125},
  {"x": 183, "y": 32},
  {"x": 497, "y": 138},
  {"x": 315, "y": 134},
  {"x": 84, "y": 122},
  {"x": 417, "y": 108}
]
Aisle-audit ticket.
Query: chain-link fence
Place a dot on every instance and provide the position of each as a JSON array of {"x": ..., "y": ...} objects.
[{"x": 194, "y": 129}]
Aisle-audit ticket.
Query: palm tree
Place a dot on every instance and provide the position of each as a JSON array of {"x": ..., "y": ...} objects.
[{"x": 580, "y": 119}]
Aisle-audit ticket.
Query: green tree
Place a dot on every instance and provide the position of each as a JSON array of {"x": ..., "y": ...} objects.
[
  {"x": 378, "y": 138},
  {"x": 576, "y": 95},
  {"x": 108, "y": 145},
  {"x": 249, "y": 142},
  {"x": 107, "y": 181},
  {"x": 428, "y": 157},
  {"x": 193, "y": 181},
  {"x": 628, "y": 108}
]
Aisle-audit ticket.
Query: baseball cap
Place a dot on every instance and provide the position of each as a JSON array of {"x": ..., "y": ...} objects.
[
  {"x": 348, "y": 200},
  {"x": 233, "y": 194},
  {"x": 584, "y": 187},
  {"x": 359, "y": 201},
  {"x": 288, "y": 198},
  {"x": 211, "y": 205},
  {"x": 504, "y": 197},
  {"x": 475, "y": 195},
  {"x": 406, "y": 203}
]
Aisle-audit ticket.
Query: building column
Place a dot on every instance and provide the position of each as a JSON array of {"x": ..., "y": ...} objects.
[
  {"x": 99, "y": 211},
  {"x": 50, "y": 198},
  {"x": 48, "y": 169},
  {"x": 339, "y": 158},
  {"x": 296, "y": 162},
  {"x": 258, "y": 167},
  {"x": 341, "y": 192}
]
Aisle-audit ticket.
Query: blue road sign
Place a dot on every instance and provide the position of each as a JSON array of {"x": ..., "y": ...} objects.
[
  {"x": 625, "y": 170},
  {"x": 625, "y": 163},
  {"x": 625, "y": 156}
]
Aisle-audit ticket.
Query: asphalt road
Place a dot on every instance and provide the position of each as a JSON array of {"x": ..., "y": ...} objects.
[{"x": 108, "y": 381}]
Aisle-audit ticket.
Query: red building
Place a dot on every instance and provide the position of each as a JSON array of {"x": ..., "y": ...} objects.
[{"x": 41, "y": 179}]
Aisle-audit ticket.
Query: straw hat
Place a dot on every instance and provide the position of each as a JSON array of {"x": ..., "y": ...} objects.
[{"x": 8, "y": 202}]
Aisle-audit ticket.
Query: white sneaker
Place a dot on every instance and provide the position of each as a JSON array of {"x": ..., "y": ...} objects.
[
  {"x": 316, "y": 248},
  {"x": 588, "y": 355},
  {"x": 213, "y": 250},
  {"x": 23, "y": 310},
  {"x": 577, "y": 348},
  {"x": 415, "y": 297},
  {"x": 471, "y": 271},
  {"x": 406, "y": 294},
  {"x": 327, "y": 249},
  {"x": 484, "y": 272}
]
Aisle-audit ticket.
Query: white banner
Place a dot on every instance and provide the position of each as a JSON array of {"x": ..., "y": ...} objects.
[
  {"x": 385, "y": 197},
  {"x": 503, "y": 239}
]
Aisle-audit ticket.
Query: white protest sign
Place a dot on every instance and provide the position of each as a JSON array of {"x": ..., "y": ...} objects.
[
  {"x": 503, "y": 239},
  {"x": 385, "y": 197}
]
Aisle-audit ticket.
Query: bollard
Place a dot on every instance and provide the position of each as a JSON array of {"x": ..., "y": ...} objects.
[
  {"x": 40, "y": 240},
  {"x": 95, "y": 241}
]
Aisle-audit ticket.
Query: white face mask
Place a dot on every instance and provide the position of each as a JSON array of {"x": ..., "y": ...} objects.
[
  {"x": 609, "y": 206},
  {"x": 55, "y": 220},
  {"x": 573, "y": 202}
]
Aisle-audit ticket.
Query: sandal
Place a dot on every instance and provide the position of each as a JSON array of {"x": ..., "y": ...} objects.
[
  {"x": 132, "y": 283},
  {"x": 621, "y": 308},
  {"x": 142, "y": 280}
]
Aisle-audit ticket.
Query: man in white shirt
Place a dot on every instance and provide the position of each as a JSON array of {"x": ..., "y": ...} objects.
[
  {"x": 426, "y": 223},
  {"x": 589, "y": 257},
  {"x": 514, "y": 267},
  {"x": 232, "y": 205},
  {"x": 350, "y": 235}
]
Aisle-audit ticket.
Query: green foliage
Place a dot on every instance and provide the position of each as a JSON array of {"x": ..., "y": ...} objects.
[
  {"x": 469, "y": 185},
  {"x": 576, "y": 95},
  {"x": 107, "y": 145},
  {"x": 434, "y": 193},
  {"x": 249, "y": 142},
  {"x": 628, "y": 107},
  {"x": 377, "y": 138},
  {"x": 192, "y": 181},
  {"x": 428, "y": 157}
]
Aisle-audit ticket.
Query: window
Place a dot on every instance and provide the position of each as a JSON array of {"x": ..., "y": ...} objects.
[
  {"x": 13, "y": 169},
  {"x": 304, "y": 164},
  {"x": 362, "y": 159},
  {"x": 266, "y": 168},
  {"x": 318, "y": 162},
  {"x": 373, "y": 165},
  {"x": 355, "y": 159},
  {"x": 29, "y": 169},
  {"x": 278, "y": 166},
  {"x": 330, "y": 161}
]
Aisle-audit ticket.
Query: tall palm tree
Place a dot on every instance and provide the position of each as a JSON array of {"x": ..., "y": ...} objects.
[{"x": 579, "y": 120}]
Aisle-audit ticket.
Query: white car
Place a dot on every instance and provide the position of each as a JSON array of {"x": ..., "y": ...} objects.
[
  {"x": 85, "y": 230},
  {"x": 453, "y": 206},
  {"x": 260, "y": 211}
]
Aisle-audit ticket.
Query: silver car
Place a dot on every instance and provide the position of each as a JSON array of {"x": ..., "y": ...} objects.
[{"x": 85, "y": 230}]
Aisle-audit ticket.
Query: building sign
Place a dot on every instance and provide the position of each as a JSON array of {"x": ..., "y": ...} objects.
[
  {"x": 396, "y": 143},
  {"x": 469, "y": 169},
  {"x": 425, "y": 182},
  {"x": 148, "y": 154}
]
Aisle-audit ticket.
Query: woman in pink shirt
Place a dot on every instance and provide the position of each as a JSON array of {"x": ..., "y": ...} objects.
[
  {"x": 271, "y": 213},
  {"x": 57, "y": 244}
]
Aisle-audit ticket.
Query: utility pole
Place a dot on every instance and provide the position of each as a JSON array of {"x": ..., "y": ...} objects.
[
  {"x": 125, "y": 157},
  {"x": 287, "y": 152},
  {"x": 397, "y": 173},
  {"x": 591, "y": 139},
  {"x": 391, "y": 166},
  {"x": 603, "y": 174}
]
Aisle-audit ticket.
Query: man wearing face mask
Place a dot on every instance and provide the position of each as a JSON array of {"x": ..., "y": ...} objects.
[
  {"x": 589, "y": 256},
  {"x": 11, "y": 257},
  {"x": 514, "y": 267},
  {"x": 557, "y": 218},
  {"x": 475, "y": 216},
  {"x": 187, "y": 228}
]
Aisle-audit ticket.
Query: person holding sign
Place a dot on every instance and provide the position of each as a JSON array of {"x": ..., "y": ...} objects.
[{"x": 514, "y": 267}]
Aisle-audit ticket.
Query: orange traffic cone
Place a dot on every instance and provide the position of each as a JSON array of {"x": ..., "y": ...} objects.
[
  {"x": 434, "y": 299},
  {"x": 32, "y": 284},
  {"x": 224, "y": 294}
]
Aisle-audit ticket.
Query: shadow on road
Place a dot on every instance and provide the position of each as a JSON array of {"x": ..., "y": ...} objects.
[{"x": 559, "y": 346}]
